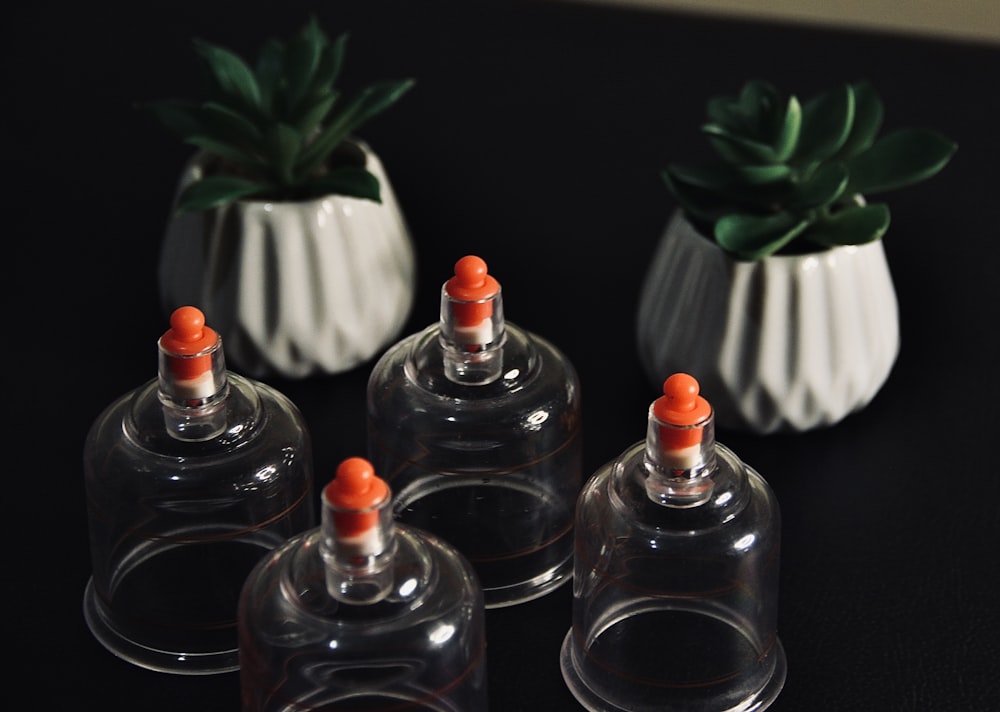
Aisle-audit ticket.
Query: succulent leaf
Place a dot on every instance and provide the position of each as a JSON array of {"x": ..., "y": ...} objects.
[
  {"x": 268, "y": 69},
  {"x": 824, "y": 187},
  {"x": 790, "y": 131},
  {"x": 213, "y": 191},
  {"x": 369, "y": 102},
  {"x": 316, "y": 113},
  {"x": 701, "y": 205},
  {"x": 738, "y": 149},
  {"x": 761, "y": 126},
  {"x": 826, "y": 124},
  {"x": 854, "y": 225},
  {"x": 898, "y": 159},
  {"x": 725, "y": 176},
  {"x": 228, "y": 126},
  {"x": 759, "y": 102},
  {"x": 282, "y": 143},
  {"x": 334, "y": 59},
  {"x": 724, "y": 188},
  {"x": 248, "y": 161},
  {"x": 351, "y": 181},
  {"x": 751, "y": 237},
  {"x": 233, "y": 79},
  {"x": 328, "y": 70},
  {"x": 868, "y": 113},
  {"x": 732, "y": 113},
  {"x": 302, "y": 58}
]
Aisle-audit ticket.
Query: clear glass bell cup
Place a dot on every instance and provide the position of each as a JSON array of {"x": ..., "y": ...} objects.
[
  {"x": 190, "y": 479},
  {"x": 362, "y": 614},
  {"x": 476, "y": 425},
  {"x": 676, "y": 575}
]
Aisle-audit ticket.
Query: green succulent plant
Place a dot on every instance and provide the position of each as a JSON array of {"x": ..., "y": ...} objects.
[
  {"x": 278, "y": 130},
  {"x": 798, "y": 177}
]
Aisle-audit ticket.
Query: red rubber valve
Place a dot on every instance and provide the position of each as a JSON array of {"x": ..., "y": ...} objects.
[
  {"x": 681, "y": 406},
  {"x": 472, "y": 283},
  {"x": 355, "y": 493},
  {"x": 188, "y": 336}
]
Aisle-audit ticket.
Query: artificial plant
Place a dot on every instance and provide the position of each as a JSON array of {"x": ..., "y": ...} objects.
[
  {"x": 791, "y": 176},
  {"x": 279, "y": 128}
]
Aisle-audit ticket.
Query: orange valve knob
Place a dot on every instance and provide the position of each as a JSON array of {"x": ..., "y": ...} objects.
[
  {"x": 474, "y": 289},
  {"x": 355, "y": 495},
  {"x": 682, "y": 414},
  {"x": 186, "y": 340}
]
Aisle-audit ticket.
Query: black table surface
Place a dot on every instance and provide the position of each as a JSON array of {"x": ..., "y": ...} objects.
[{"x": 534, "y": 138}]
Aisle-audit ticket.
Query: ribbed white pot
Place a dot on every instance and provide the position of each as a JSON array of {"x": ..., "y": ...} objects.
[
  {"x": 786, "y": 343},
  {"x": 294, "y": 288}
]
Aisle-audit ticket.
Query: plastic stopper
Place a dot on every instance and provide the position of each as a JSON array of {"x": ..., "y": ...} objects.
[
  {"x": 472, "y": 284},
  {"x": 355, "y": 494},
  {"x": 681, "y": 407},
  {"x": 187, "y": 337}
]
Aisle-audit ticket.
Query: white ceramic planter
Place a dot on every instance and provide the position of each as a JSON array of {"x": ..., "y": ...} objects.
[
  {"x": 294, "y": 288},
  {"x": 787, "y": 343}
]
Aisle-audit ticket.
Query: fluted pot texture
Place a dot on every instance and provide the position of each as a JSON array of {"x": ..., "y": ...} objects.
[
  {"x": 785, "y": 343},
  {"x": 294, "y": 288}
]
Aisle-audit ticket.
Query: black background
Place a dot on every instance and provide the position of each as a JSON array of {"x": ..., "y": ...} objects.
[{"x": 534, "y": 138}]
